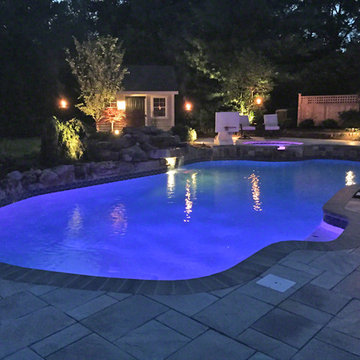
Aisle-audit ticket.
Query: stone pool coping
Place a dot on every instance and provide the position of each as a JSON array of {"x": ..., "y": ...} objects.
[{"x": 243, "y": 272}]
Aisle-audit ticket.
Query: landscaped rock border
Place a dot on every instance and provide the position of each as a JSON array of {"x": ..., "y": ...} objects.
[
  {"x": 17, "y": 185},
  {"x": 22, "y": 185}
]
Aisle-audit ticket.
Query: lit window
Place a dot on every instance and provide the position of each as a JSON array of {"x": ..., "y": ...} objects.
[{"x": 159, "y": 107}]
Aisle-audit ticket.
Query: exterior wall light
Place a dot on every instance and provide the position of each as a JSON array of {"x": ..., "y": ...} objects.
[
  {"x": 121, "y": 105},
  {"x": 188, "y": 106},
  {"x": 258, "y": 100},
  {"x": 63, "y": 104}
]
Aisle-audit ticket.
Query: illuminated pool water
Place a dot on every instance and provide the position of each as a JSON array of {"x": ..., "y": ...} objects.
[{"x": 191, "y": 222}]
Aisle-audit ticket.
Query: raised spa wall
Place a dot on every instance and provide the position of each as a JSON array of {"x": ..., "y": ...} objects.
[{"x": 19, "y": 185}]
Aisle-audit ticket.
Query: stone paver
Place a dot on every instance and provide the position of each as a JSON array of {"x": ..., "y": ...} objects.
[
  {"x": 16, "y": 334},
  {"x": 182, "y": 323},
  {"x": 186, "y": 304},
  {"x": 350, "y": 285},
  {"x": 340, "y": 262},
  {"x": 348, "y": 320},
  {"x": 340, "y": 340},
  {"x": 91, "y": 307},
  {"x": 328, "y": 279},
  {"x": 305, "y": 311},
  {"x": 123, "y": 317},
  {"x": 24, "y": 354},
  {"x": 260, "y": 356},
  {"x": 213, "y": 346},
  {"x": 91, "y": 347},
  {"x": 152, "y": 341},
  {"x": 221, "y": 315},
  {"x": 289, "y": 328},
  {"x": 67, "y": 299},
  {"x": 319, "y": 350},
  {"x": 8, "y": 288},
  {"x": 60, "y": 339},
  {"x": 19, "y": 304},
  {"x": 321, "y": 299},
  {"x": 267, "y": 345}
]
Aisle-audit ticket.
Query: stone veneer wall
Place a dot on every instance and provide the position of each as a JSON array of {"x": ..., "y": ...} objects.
[{"x": 17, "y": 185}]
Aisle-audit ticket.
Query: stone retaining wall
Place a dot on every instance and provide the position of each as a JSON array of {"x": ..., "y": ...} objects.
[{"x": 17, "y": 185}]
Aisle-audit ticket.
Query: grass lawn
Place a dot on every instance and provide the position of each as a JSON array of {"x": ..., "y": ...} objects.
[
  {"x": 18, "y": 148},
  {"x": 19, "y": 154}
]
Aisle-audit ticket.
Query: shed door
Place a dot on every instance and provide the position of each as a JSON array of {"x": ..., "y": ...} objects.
[{"x": 135, "y": 111}]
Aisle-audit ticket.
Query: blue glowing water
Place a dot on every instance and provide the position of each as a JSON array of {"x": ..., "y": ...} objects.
[{"x": 191, "y": 222}]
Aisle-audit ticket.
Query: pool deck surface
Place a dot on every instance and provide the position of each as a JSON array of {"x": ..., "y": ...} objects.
[
  {"x": 318, "y": 317},
  {"x": 313, "y": 314}
]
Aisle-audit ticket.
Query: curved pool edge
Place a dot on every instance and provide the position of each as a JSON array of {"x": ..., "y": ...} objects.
[{"x": 243, "y": 272}]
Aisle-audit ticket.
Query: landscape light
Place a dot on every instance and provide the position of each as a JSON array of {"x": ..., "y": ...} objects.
[
  {"x": 188, "y": 106},
  {"x": 63, "y": 104},
  {"x": 121, "y": 105},
  {"x": 117, "y": 132},
  {"x": 258, "y": 100}
]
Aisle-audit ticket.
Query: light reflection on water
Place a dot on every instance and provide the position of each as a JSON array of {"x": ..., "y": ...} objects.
[
  {"x": 171, "y": 184},
  {"x": 119, "y": 219},
  {"x": 350, "y": 178},
  {"x": 190, "y": 196},
  {"x": 255, "y": 191},
  {"x": 75, "y": 223}
]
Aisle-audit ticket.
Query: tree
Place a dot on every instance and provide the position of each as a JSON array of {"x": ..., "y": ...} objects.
[
  {"x": 249, "y": 76},
  {"x": 98, "y": 68}
]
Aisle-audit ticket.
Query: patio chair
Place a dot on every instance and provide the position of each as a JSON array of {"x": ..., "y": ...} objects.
[
  {"x": 245, "y": 126},
  {"x": 245, "y": 123},
  {"x": 271, "y": 122},
  {"x": 226, "y": 124}
]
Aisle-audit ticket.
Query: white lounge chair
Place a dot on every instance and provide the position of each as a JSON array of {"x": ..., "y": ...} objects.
[
  {"x": 226, "y": 123},
  {"x": 245, "y": 123},
  {"x": 271, "y": 122}
]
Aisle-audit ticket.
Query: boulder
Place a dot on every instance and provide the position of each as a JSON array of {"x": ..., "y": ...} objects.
[
  {"x": 149, "y": 166},
  {"x": 159, "y": 153},
  {"x": 30, "y": 177},
  {"x": 14, "y": 176},
  {"x": 3, "y": 196},
  {"x": 111, "y": 168},
  {"x": 134, "y": 153},
  {"x": 49, "y": 178},
  {"x": 151, "y": 130},
  {"x": 82, "y": 171},
  {"x": 65, "y": 173},
  {"x": 164, "y": 140},
  {"x": 122, "y": 142},
  {"x": 148, "y": 147}
]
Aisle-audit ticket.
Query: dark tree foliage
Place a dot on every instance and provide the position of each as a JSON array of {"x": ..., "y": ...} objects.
[{"x": 311, "y": 46}]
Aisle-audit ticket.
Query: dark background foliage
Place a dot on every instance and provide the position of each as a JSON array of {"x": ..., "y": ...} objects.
[{"x": 313, "y": 48}]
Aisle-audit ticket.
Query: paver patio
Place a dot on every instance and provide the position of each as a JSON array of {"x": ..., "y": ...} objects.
[{"x": 318, "y": 317}]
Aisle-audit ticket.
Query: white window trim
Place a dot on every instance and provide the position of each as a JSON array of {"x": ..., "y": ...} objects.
[{"x": 166, "y": 106}]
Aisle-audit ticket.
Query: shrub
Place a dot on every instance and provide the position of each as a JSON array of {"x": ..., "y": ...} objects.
[
  {"x": 307, "y": 124},
  {"x": 350, "y": 119},
  {"x": 289, "y": 124},
  {"x": 330, "y": 124},
  {"x": 185, "y": 133},
  {"x": 62, "y": 141}
]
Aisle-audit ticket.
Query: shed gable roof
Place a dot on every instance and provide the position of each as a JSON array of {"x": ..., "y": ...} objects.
[{"x": 150, "y": 78}]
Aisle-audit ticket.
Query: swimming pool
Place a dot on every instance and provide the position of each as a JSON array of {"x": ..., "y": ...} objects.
[{"x": 190, "y": 222}]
